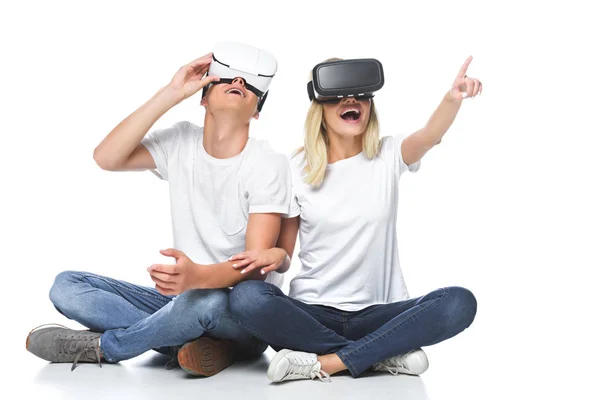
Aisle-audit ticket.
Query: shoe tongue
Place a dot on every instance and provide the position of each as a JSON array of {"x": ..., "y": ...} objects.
[
  {"x": 89, "y": 352},
  {"x": 300, "y": 368}
]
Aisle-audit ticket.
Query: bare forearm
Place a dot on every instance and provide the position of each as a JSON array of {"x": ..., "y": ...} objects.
[
  {"x": 223, "y": 275},
  {"x": 118, "y": 145},
  {"x": 416, "y": 145},
  {"x": 287, "y": 241},
  {"x": 441, "y": 120}
]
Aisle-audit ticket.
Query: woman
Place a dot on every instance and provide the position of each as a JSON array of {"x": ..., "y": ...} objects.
[{"x": 348, "y": 307}]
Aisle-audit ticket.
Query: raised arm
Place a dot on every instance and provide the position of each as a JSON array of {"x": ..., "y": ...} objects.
[
  {"x": 121, "y": 149},
  {"x": 415, "y": 146}
]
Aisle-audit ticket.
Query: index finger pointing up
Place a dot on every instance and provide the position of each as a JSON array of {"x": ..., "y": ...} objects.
[{"x": 463, "y": 69}]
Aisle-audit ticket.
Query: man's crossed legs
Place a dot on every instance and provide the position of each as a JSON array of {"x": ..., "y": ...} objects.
[{"x": 126, "y": 320}]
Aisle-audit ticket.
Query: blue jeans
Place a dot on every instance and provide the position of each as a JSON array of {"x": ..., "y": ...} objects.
[
  {"x": 135, "y": 319},
  {"x": 359, "y": 338}
]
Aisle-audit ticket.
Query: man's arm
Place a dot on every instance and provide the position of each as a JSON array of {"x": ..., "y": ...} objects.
[
  {"x": 261, "y": 233},
  {"x": 121, "y": 149},
  {"x": 287, "y": 241},
  {"x": 278, "y": 258}
]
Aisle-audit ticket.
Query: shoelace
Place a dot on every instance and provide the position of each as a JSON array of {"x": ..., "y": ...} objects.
[
  {"x": 89, "y": 346},
  {"x": 398, "y": 368},
  {"x": 304, "y": 367}
]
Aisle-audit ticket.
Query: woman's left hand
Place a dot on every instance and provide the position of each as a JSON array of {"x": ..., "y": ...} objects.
[
  {"x": 271, "y": 259},
  {"x": 463, "y": 86}
]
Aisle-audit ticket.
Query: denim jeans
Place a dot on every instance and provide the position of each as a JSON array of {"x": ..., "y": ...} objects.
[
  {"x": 135, "y": 319},
  {"x": 359, "y": 338}
]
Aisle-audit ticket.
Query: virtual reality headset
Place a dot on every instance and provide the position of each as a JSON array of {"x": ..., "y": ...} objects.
[
  {"x": 335, "y": 80},
  {"x": 255, "y": 66}
]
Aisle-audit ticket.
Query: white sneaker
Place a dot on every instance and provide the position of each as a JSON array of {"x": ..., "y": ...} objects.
[
  {"x": 289, "y": 365},
  {"x": 412, "y": 363}
]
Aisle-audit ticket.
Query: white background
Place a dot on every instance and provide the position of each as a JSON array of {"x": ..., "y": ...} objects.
[{"x": 506, "y": 206}]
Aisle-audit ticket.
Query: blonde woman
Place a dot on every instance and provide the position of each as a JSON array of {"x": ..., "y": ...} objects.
[{"x": 348, "y": 308}]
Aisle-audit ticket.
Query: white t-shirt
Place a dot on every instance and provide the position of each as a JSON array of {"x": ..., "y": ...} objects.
[
  {"x": 348, "y": 242},
  {"x": 212, "y": 198}
]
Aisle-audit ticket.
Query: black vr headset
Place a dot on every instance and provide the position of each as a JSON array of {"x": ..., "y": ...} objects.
[{"x": 334, "y": 80}]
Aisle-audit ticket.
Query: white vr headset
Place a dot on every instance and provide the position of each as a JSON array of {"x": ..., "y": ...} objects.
[{"x": 237, "y": 60}]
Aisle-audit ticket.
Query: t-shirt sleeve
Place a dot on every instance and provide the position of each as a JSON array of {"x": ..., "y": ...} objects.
[
  {"x": 269, "y": 185},
  {"x": 294, "y": 208},
  {"x": 391, "y": 150},
  {"x": 162, "y": 145}
]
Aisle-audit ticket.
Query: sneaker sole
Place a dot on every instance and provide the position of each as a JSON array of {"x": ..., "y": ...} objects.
[
  {"x": 273, "y": 365},
  {"x": 206, "y": 356}
]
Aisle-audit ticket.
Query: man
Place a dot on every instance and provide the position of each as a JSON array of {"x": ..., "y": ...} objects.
[{"x": 228, "y": 192}]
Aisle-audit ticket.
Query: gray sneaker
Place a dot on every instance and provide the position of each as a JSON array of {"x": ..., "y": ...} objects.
[
  {"x": 58, "y": 344},
  {"x": 171, "y": 352}
]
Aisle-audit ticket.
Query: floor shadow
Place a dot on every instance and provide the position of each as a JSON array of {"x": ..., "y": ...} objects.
[
  {"x": 257, "y": 364},
  {"x": 59, "y": 379},
  {"x": 156, "y": 360},
  {"x": 367, "y": 386},
  {"x": 147, "y": 378}
]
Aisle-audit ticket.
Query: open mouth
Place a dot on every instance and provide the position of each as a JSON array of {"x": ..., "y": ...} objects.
[
  {"x": 351, "y": 114},
  {"x": 235, "y": 91}
]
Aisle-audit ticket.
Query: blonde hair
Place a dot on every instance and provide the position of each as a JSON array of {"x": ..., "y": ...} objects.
[{"x": 316, "y": 141}]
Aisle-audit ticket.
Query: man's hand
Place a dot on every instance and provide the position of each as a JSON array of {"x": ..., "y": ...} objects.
[
  {"x": 188, "y": 80},
  {"x": 176, "y": 278},
  {"x": 272, "y": 259}
]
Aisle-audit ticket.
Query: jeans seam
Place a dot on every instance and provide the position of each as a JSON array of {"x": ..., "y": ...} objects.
[
  {"x": 120, "y": 298},
  {"x": 347, "y": 361},
  {"x": 117, "y": 283},
  {"x": 379, "y": 310},
  {"x": 379, "y": 337},
  {"x": 254, "y": 332},
  {"x": 144, "y": 313}
]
